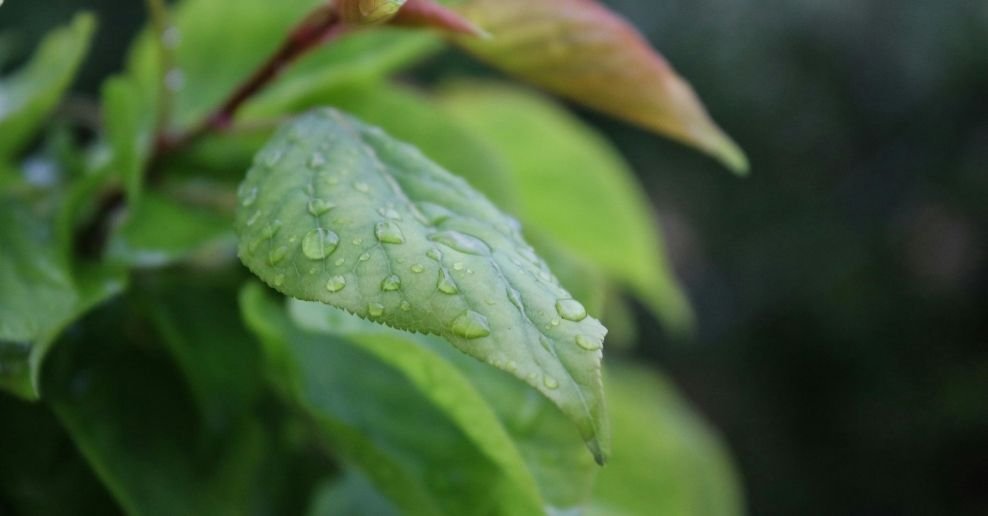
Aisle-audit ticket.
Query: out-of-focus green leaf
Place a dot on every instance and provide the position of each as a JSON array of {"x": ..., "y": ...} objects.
[
  {"x": 575, "y": 187},
  {"x": 582, "y": 50},
  {"x": 41, "y": 473},
  {"x": 338, "y": 212},
  {"x": 161, "y": 231},
  {"x": 405, "y": 427},
  {"x": 550, "y": 446},
  {"x": 210, "y": 64},
  {"x": 136, "y": 419},
  {"x": 130, "y": 131},
  {"x": 29, "y": 95},
  {"x": 416, "y": 119},
  {"x": 666, "y": 460},
  {"x": 40, "y": 293},
  {"x": 353, "y": 495}
]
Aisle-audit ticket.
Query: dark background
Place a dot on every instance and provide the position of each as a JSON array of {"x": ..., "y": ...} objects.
[{"x": 842, "y": 289}]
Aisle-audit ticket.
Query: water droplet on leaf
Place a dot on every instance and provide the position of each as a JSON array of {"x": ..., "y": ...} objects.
[
  {"x": 319, "y": 243},
  {"x": 471, "y": 325},
  {"x": 318, "y": 207},
  {"x": 550, "y": 382},
  {"x": 417, "y": 268},
  {"x": 461, "y": 242},
  {"x": 249, "y": 197},
  {"x": 375, "y": 309},
  {"x": 587, "y": 343},
  {"x": 571, "y": 309},
  {"x": 336, "y": 284},
  {"x": 391, "y": 283},
  {"x": 389, "y": 233},
  {"x": 446, "y": 284},
  {"x": 277, "y": 255}
]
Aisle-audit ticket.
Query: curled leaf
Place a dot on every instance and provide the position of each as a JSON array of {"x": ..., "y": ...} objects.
[
  {"x": 338, "y": 212},
  {"x": 429, "y": 13},
  {"x": 582, "y": 50}
]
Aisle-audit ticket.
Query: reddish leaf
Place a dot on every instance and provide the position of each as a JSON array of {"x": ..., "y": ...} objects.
[
  {"x": 583, "y": 51},
  {"x": 429, "y": 14}
]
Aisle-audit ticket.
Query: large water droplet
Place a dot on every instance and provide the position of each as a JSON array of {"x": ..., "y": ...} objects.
[
  {"x": 391, "y": 283},
  {"x": 318, "y": 207},
  {"x": 461, "y": 242},
  {"x": 550, "y": 382},
  {"x": 571, "y": 309},
  {"x": 389, "y": 233},
  {"x": 336, "y": 284},
  {"x": 319, "y": 243},
  {"x": 277, "y": 255},
  {"x": 375, "y": 309},
  {"x": 249, "y": 197},
  {"x": 446, "y": 284},
  {"x": 471, "y": 325},
  {"x": 588, "y": 343}
]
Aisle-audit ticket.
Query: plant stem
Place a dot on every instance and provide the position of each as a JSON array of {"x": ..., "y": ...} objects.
[{"x": 321, "y": 25}]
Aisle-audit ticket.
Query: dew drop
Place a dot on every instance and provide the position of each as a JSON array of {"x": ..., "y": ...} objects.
[
  {"x": 277, "y": 255},
  {"x": 375, "y": 309},
  {"x": 434, "y": 254},
  {"x": 336, "y": 284},
  {"x": 461, "y": 242},
  {"x": 254, "y": 217},
  {"x": 279, "y": 280},
  {"x": 417, "y": 268},
  {"x": 249, "y": 197},
  {"x": 391, "y": 283},
  {"x": 316, "y": 160},
  {"x": 389, "y": 213},
  {"x": 587, "y": 343},
  {"x": 405, "y": 306},
  {"x": 340, "y": 262},
  {"x": 550, "y": 382},
  {"x": 515, "y": 297},
  {"x": 319, "y": 243},
  {"x": 358, "y": 241},
  {"x": 446, "y": 284},
  {"x": 389, "y": 233},
  {"x": 318, "y": 207},
  {"x": 364, "y": 257},
  {"x": 361, "y": 187},
  {"x": 458, "y": 266},
  {"x": 471, "y": 325},
  {"x": 554, "y": 322},
  {"x": 271, "y": 230},
  {"x": 571, "y": 309}
]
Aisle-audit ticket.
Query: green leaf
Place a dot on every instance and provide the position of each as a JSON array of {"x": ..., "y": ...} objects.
[
  {"x": 582, "y": 50},
  {"x": 418, "y": 120},
  {"x": 161, "y": 231},
  {"x": 130, "y": 131},
  {"x": 30, "y": 94},
  {"x": 666, "y": 459},
  {"x": 137, "y": 416},
  {"x": 405, "y": 422},
  {"x": 339, "y": 212},
  {"x": 559, "y": 166},
  {"x": 39, "y": 293}
]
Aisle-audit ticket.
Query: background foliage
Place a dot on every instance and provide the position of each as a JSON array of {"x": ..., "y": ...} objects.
[{"x": 839, "y": 291}]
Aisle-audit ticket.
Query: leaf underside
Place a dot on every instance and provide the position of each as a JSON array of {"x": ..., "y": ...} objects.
[{"x": 338, "y": 212}]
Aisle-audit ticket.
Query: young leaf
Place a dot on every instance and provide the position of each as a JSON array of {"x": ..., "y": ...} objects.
[
  {"x": 27, "y": 97},
  {"x": 401, "y": 417},
  {"x": 583, "y": 51},
  {"x": 368, "y": 12},
  {"x": 339, "y": 212},
  {"x": 130, "y": 128},
  {"x": 39, "y": 294},
  {"x": 559, "y": 166},
  {"x": 669, "y": 461}
]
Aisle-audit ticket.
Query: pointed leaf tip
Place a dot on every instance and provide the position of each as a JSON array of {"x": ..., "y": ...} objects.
[{"x": 583, "y": 51}]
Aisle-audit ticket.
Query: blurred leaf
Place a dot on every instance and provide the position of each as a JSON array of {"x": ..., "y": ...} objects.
[
  {"x": 210, "y": 64},
  {"x": 666, "y": 460},
  {"x": 416, "y": 119},
  {"x": 576, "y": 188},
  {"x": 339, "y": 212},
  {"x": 39, "y": 293},
  {"x": 353, "y": 495},
  {"x": 162, "y": 231},
  {"x": 583, "y": 51},
  {"x": 404, "y": 427},
  {"x": 130, "y": 130},
  {"x": 550, "y": 446},
  {"x": 28, "y": 96}
]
